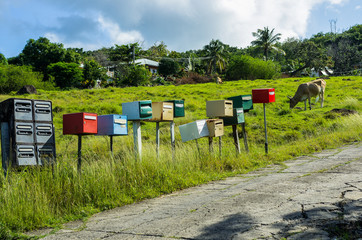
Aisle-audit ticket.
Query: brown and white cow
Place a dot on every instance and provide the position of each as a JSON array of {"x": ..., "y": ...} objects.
[{"x": 307, "y": 90}]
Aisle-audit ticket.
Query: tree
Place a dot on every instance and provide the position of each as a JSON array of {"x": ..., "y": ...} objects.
[
  {"x": 310, "y": 55},
  {"x": 124, "y": 53},
  {"x": 168, "y": 67},
  {"x": 266, "y": 40},
  {"x": 3, "y": 60},
  {"x": 135, "y": 76},
  {"x": 157, "y": 51},
  {"x": 92, "y": 72},
  {"x": 217, "y": 56},
  {"x": 41, "y": 53},
  {"x": 66, "y": 75}
]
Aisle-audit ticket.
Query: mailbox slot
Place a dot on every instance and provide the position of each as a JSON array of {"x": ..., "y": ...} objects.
[
  {"x": 112, "y": 125},
  {"x": 46, "y": 154},
  {"x": 44, "y": 133},
  {"x": 24, "y": 132},
  {"x": 216, "y": 127},
  {"x": 264, "y": 95},
  {"x": 219, "y": 108},
  {"x": 242, "y": 101},
  {"x": 25, "y": 155},
  {"x": 23, "y": 110},
  {"x": 43, "y": 111}
]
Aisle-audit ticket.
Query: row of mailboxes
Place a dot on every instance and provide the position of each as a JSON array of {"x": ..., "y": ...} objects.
[
  {"x": 26, "y": 110},
  {"x": 90, "y": 123},
  {"x": 153, "y": 111},
  {"x": 201, "y": 128}
]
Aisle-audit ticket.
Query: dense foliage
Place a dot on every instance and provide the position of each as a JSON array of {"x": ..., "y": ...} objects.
[
  {"x": 246, "y": 67},
  {"x": 266, "y": 57}
]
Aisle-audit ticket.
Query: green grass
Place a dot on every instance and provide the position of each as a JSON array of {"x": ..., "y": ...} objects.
[{"x": 35, "y": 198}]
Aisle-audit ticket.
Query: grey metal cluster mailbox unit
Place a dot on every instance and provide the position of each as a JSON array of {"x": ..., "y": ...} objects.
[{"x": 27, "y": 132}]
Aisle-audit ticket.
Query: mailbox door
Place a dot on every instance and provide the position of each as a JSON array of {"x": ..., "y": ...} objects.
[
  {"x": 25, "y": 155},
  {"x": 44, "y": 133},
  {"x": 43, "y": 111},
  {"x": 167, "y": 111},
  {"x": 216, "y": 127},
  {"x": 236, "y": 119},
  {"x": 228, "y": 108},
  {"x": 23, "y": 110},
  {"x": 45, "y": 154},
  {"x": 120, "y": 125},
  {"x": 90, "y": 123},
  {"x": 145, "y": 109},
  {"x": 24, "y": 132}
]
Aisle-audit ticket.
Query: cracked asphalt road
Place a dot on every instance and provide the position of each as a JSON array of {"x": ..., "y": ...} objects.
[{"x": 311, "y": 197}]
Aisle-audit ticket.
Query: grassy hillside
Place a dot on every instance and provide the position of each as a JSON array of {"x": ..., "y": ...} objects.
[{"x": 38, "y": 198}]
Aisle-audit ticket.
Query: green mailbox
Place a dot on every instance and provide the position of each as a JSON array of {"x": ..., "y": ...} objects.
[
  {"x": 237, "y": 118},
  {"x": 242, "y": 101},
  {"x": 178, "y": 108}
]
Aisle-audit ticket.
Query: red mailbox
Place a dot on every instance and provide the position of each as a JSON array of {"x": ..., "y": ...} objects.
[
  {"x": 80, "y": 123},
  {"x": 263, "y": 95}
]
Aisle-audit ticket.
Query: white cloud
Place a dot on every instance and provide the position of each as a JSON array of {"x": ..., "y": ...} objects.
[{"x": 116, "y": 35}]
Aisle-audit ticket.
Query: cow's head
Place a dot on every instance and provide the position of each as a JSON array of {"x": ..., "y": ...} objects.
[{"x": 292, "y": 102}]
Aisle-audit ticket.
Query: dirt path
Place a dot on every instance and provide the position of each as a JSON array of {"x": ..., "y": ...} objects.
[{"x": 311, "y": 197}]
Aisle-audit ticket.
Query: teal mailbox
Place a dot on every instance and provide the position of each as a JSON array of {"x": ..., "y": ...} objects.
[
  {"x": 236, "y": 119},
  {"x": 242, "y": 101}
]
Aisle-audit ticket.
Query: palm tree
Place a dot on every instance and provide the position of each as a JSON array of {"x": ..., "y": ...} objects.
[
  {"x": 266, "y": 40},
  {"x": 216, "y": 55}
]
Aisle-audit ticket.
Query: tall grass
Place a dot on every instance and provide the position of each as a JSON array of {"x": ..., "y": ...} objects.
[{"x": 40, "y": 197}]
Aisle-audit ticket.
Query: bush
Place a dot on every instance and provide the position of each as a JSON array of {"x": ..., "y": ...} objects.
[
  {"x": 193, "y": 78},
  {"x": 12, "y": 78},
  {"x": 136, "y": 76},
  {"x": 66, "y": 75},
  {"x": 246, "y": 67}
]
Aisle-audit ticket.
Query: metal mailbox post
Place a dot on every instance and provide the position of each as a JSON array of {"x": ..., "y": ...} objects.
[
  {"x": 80, "y": 124},
  {"x": 178, "y": 111},
  {"x": 26, "y": 128},
  {"x": 233, "y": 121},
  {"x": 162, "y": 112},
  {"x": 264, "y": 95},
  {"x": 137, "y": 111},
  {"x": 112, "y": 125}
]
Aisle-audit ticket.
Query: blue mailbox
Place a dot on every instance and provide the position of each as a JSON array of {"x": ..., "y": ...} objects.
[{"x": 112, "y": 125}]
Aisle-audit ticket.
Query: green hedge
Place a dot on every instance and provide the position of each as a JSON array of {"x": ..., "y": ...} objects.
[{"x": 246, "y": 67}]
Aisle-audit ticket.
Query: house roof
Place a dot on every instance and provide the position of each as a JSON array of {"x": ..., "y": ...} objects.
[{"x": 144, "y": 61}]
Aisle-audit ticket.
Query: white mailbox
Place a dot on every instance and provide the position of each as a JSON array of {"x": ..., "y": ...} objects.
[{"x": 194, "y": 130}]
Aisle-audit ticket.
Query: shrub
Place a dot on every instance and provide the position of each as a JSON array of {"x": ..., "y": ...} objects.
[
  {"x": 136, "y": 76},
  {"x": 12, "y": 78},
  {"x": 246, "y": 67},
  {"x": 193, "y": 78},
  {"x": 66, "y": 75}
]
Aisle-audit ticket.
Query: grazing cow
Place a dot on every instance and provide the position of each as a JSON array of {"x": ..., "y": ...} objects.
[{"x": 307, "y": 90}]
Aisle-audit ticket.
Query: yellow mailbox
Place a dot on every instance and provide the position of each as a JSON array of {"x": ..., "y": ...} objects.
[{"x": 216, "y": 127}]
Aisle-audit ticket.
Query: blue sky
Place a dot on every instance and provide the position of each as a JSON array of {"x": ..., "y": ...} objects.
[{"x": 181, "y": 24}]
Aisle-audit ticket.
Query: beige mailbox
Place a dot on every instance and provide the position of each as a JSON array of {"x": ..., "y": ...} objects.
[
  {"x": 219, "y": 108},
  {"x": 162, "y": 111},
  {"x": 216, "y": 127}
]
